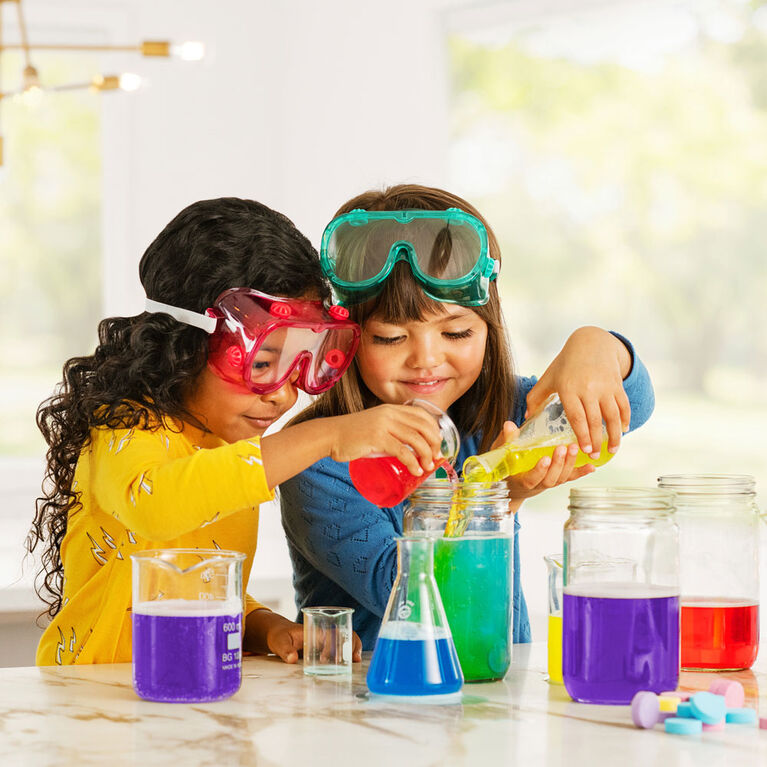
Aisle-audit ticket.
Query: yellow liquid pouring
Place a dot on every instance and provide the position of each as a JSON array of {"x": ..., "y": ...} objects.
[{"x": 456, "y": 518}]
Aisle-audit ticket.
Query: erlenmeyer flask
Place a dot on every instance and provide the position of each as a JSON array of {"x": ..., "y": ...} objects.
[{"x": 414, "y": 656}]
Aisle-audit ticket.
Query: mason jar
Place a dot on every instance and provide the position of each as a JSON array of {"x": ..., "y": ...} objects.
[
  {"x": 474, "y": 568},
  {"x": 620, "y": 623},
  {"x": 719, "y": 550}
]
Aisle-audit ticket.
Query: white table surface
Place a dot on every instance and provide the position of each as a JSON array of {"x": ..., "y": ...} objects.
[{"x": 89, "y": 715}]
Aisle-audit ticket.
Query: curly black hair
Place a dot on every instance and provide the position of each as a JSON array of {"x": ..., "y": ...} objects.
[{"x": 145, "y": 366}]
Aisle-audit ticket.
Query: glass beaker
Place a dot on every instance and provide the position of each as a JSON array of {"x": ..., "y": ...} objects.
[
  {"x": 719, "y": 559},
  {"x": 327, "y": 640},
  {"x": 474, "y": 571},
  {"x": 620, "y": 617},
  {"x": 554, "y": 579},
  {"x": 386, "y": 481},
  {"x": 187, "y": 624},
  {"x": 538, "y": 437},
  {"x": 414, "y": 656}
]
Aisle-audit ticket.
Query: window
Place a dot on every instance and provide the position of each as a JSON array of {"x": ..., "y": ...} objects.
[
  {"x": 50, "y": 257},
  {"x": 618, "y": 152},
  {"x": 50, "y": 225}
]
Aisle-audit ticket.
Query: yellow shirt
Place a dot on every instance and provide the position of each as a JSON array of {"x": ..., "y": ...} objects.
[{"x": 146, "y": 489}]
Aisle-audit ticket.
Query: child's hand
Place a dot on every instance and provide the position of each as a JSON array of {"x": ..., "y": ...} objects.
[
  {"x": 547, "y": 473},
  {"x": 267, "y": 632},
  {"x": 588, "y": 374},
  {"x": 386, "y": 429},
  {"x": 285, "y": 638},
  {"x": 390, "y": 429}
]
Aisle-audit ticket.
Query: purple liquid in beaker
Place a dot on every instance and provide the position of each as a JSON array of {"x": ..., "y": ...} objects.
[
  {"x": 185, "y": 652},
  {"x": 614, "y": 646}
]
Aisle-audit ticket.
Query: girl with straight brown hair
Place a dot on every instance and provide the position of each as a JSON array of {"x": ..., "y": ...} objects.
[{"x": 427, "y": 301}]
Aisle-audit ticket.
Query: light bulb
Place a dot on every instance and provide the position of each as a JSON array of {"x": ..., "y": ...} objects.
[
  {"x": 130, "y": 81},
  {"x": 192, "y": 50},
  {"x": 32, "y": 96}
]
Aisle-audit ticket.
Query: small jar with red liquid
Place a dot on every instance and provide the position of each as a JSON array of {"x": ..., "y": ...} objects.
[
  {"x": 620, "y": 604},
  {"x": 386, "y": 481},
  {"x": 719, "y": 549}
]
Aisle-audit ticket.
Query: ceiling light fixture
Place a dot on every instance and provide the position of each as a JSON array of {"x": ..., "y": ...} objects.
[{"x": 31, "y": 89}]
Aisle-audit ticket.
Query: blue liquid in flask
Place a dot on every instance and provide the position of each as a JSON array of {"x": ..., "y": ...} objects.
[{"x": 415, "y": 660}]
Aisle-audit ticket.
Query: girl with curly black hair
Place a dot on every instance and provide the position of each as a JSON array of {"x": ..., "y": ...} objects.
[{"x": 155, "y": 439}]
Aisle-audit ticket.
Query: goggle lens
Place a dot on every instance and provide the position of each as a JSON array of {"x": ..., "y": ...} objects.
[
  {"x": 262, "y": 341},
  {"x": 441, "y": 250}
]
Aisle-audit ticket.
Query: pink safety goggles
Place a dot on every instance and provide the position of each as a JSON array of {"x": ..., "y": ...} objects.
[{"x": 260, "y": 341}]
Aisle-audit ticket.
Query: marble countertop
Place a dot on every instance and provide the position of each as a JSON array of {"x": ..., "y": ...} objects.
[{"x": 89, "y": 715}]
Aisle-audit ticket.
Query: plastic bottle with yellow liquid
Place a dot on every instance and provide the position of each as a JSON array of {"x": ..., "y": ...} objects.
[{"x": 538, "y": 437}]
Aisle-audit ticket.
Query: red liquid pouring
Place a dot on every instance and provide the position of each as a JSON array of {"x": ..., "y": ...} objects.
[
  {"x": 385, "y": 481},
  {"x": 719, "y": 634}
]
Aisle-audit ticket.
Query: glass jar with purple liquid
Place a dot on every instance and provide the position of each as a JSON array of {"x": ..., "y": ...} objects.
[
  {"x": 187, "y": 624},
  {"x": 620, "y": 629}
]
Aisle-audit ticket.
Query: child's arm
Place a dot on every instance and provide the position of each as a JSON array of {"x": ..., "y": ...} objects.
[
  {"x": 267, "y": 632},
  {"x": 160, "y": 496},
  {"x": 390, "y": 429},
  {"x": 588, "y": 374},
  {"x": 548, "y": 473},
  {"x": 152, "y": 485}
]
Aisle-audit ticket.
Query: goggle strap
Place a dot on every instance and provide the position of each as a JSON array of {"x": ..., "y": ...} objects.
[{"x": 203, "y": 321}]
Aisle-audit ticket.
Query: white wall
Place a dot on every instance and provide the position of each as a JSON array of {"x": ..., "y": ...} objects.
[{"x": 299, "y": 105}]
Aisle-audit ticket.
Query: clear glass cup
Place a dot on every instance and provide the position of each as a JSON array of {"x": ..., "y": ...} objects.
[
  {"x": 620, "y": 617},
  {"x": 554, "y": 579},
  {"x": 386, "y": 481},
  {"x": 474, "y": 569},
  {"x": 719, "y": 560},
  {"x": 327, "y": 640},
  {"x": 187, "y": 624}
]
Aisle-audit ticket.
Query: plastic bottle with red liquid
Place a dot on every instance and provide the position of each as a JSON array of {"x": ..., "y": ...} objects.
[
  {"x": 719, "y": 569},
  {"x": 386, "y": 481}
]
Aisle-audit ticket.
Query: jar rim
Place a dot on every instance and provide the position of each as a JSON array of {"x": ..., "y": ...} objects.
[
  {"x": 708, "y": 484},
  {"x": 447, "y": 482},
  {"x": 442, "y": 489},
  {"x": 629, "y": 500}
]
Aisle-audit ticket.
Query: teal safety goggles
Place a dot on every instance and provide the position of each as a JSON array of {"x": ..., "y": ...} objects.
[{"x": 446, "y": 250}]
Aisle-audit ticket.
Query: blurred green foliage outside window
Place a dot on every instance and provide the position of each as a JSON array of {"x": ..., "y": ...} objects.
[
  {"x": 619, "y": 154},
  {"x": 50, "y": 240}
]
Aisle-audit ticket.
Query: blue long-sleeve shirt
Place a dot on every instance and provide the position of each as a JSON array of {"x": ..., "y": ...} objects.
[{"x": 342, "y": 546}]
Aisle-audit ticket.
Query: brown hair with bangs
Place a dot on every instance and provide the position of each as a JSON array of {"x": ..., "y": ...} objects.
[{"x": 491, "y": 399}]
